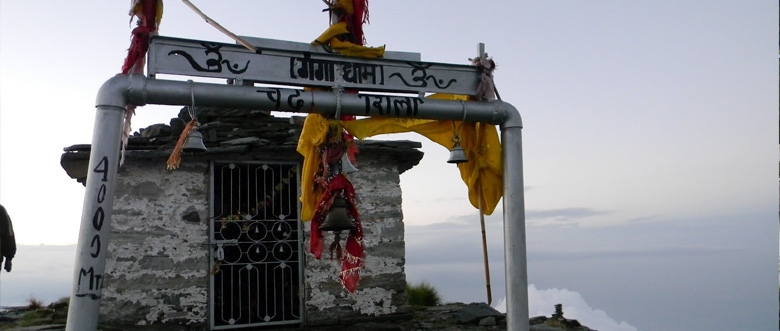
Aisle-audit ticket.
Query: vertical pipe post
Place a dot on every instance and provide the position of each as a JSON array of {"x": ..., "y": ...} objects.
[
  {"x": 88, "y": 274},
  {"x": 514, "y": 230}
]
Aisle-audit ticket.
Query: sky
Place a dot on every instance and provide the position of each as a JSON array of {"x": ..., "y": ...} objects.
[{"x": 649, "y": 144}]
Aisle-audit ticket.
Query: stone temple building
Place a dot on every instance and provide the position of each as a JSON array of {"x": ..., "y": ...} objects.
[{"x": 217, "y": 243}]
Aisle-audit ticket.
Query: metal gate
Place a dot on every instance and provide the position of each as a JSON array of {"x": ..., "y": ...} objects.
[{"x": 255, "y": 238}]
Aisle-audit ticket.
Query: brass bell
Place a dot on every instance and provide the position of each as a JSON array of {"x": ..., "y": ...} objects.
[
  {"x": 337, "y": 219},
  {"x": 457, "y": 155},
  {"x": 194, "y": 143},
  {"x": 346, "y": 166}
]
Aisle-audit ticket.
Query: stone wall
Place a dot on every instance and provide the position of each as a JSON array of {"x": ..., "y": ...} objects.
[
  {"x": 157, "y": 270},
  {"x": 382, "y": 287},
  {"x": 157, "y": 267}
]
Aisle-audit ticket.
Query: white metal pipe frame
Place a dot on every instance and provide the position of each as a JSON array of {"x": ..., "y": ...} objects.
[{"x": 121, "y": 90}]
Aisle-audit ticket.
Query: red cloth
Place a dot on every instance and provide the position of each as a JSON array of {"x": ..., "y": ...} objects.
[
  {"x": 134, "y": 63},
  {"x": 355, "y": 21},
  {"x": 359, "y": 17},
  {"x": 139, "y": 45},
  {"x": 352, "y": 258}
]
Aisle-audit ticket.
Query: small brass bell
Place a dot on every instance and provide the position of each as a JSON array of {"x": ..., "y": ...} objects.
[
  {"x": 194, "y": 143},
  {"x": 457, "y": 155},
  {"x": 346, "y": 166},
  {"x": 337, "y": 218}
]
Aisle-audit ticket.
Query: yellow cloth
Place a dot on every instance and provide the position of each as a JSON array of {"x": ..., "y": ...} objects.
[
  {"x": 480, "y": 142},
  {"x": 315, "y": 128},
  {"x": 314, "y": 133},
  {"x": 346, "y": 5},
  {"x": 483, "y": 172},
  {"x": 344, "y": 47},
  {"x": 136, "y": 8}
]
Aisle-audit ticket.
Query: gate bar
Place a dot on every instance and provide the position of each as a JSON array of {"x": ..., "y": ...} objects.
[{"x": 121, "y": 90}]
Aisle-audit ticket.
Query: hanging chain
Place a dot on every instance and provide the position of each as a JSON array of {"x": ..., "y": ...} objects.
[{"x": 191, "y": 108}]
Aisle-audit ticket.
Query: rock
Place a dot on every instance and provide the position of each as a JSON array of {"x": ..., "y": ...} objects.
[
  {"x": 544, "y": 327},
  {"x": 297, "y": 120},
  {"x": 537, "y": 320},
  {"x": 370, "y": 326},
  {"x": 177, "y": 126},
  {"x": 474, "y": 312},
  {"x": 487, "y": 321},
  {"x": 191, "y": 215},
  {"x": 49, "y": 327},
  {"x": 241, "y": 141},
  {"x": 444, "y": 317},
  {"x": 156, "y": 130}
]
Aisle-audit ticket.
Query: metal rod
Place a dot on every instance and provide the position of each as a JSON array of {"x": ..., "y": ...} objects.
[
  {"x": 484, "y": 247},
  {"x": 121, "y": 90},
  {"x": 220, "y": 27}
]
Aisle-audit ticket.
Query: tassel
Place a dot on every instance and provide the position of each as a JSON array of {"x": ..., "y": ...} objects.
[
  {"x": 149, "y": 13},
  {"x": 126, "y": 128},
  {"x": 175, "y": 159},
  {"x": 336, "y": 245},
  {"x": 351, "y": 264},
  {"x": 316, "y": 239}
]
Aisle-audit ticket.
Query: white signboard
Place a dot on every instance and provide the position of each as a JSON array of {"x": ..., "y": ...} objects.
[{"x": 301, "y": 64}]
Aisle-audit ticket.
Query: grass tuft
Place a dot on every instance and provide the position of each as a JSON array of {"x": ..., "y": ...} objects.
[
  {"x": 39, "y": 314},
  {"x": 34, "y": 304},
  {"x": 422, "y": 294}
]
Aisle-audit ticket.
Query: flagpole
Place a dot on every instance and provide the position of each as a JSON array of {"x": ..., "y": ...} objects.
[{"x": 484, "y": 246}]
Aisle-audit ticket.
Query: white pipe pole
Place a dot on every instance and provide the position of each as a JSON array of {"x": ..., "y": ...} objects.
[
  {"x": 88, "y": 275},
  {"x": 514, "y": 224}
]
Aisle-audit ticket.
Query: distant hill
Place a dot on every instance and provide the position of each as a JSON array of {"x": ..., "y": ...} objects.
[{"x": 41, "y": 272}]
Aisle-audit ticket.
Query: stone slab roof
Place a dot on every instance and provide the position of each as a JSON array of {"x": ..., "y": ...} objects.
[{"x": 231, "y": 132}]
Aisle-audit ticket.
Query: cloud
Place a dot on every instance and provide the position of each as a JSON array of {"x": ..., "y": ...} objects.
[
  {"x": 643, "y": 218},
  {"x": 453, "y": 242},
  {"x": 564, "y": 214},
  {"x": 634, "y": 253},
  {"x": 542, "y": 303}
]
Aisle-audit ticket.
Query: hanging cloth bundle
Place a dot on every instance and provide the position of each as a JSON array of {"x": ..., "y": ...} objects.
[
  {"x": 486, "y": 90},
  {"x": 149, "y": 13},
  {"x": 352, "y": 255},
  {"x": 324, "y": 143},
  {"x": 346, "y": 35}
]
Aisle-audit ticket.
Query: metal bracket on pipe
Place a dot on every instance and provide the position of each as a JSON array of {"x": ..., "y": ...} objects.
[
  {"x": 133, "y": 80},
  {"x": 463, "y": 105},
  {"x": 338, "y": 91}
]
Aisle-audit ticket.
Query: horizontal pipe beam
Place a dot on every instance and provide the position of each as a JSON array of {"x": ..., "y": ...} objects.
[{"x": 139, "y": 90}]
